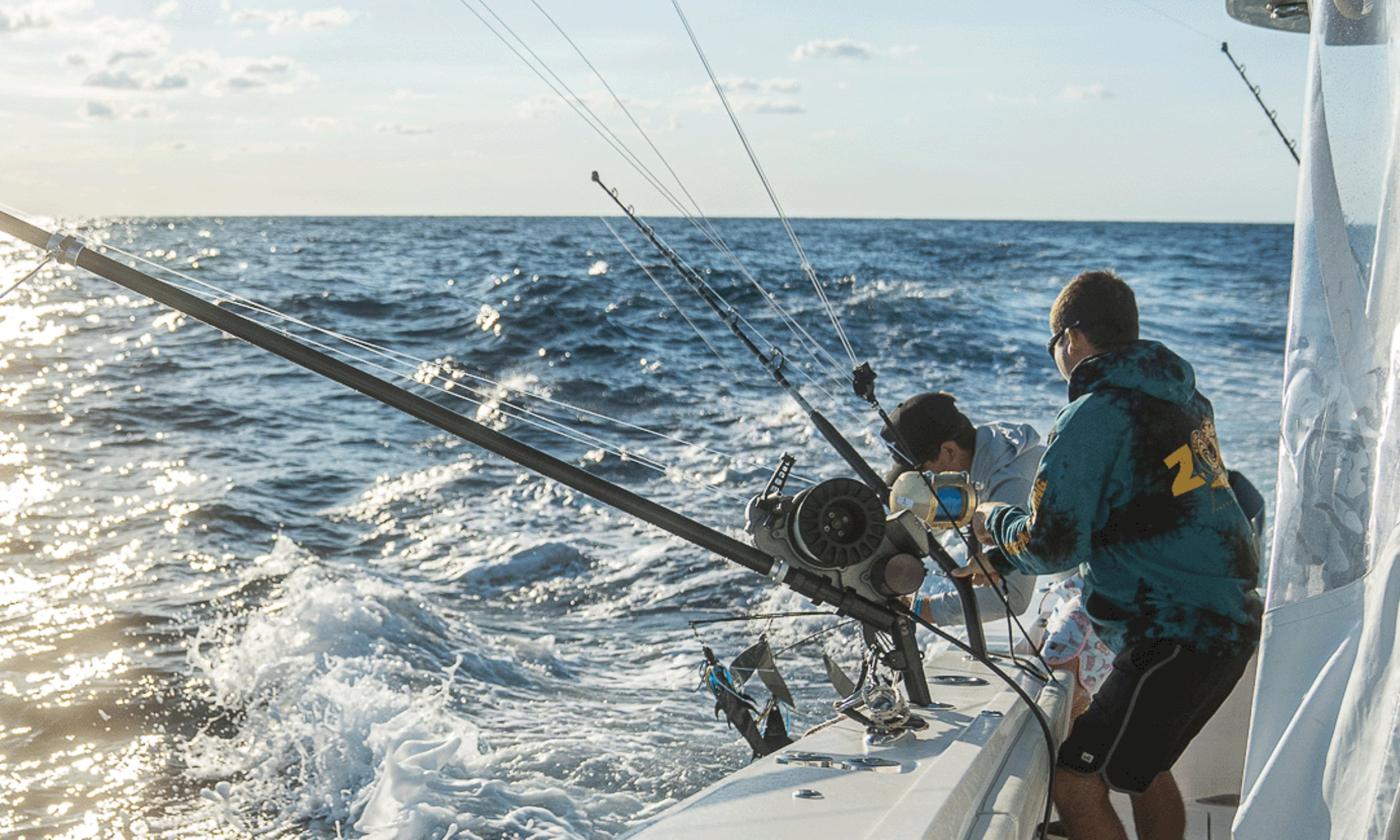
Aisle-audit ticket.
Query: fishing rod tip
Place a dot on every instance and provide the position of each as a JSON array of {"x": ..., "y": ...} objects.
[{"x": 596, "y": 179}]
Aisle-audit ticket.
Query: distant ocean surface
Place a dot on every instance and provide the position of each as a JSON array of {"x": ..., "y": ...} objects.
[{"x": 237, "y": 600}]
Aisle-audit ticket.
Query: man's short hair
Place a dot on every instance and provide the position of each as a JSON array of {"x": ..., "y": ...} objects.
[
  {"x": 1100, "y": 305},
  {"x": 924, "y": 423}
]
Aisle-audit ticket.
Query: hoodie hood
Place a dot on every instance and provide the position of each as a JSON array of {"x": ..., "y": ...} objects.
[
  {"x": 1145, "y": 366},
  {"x": 1005, "y": 461}
]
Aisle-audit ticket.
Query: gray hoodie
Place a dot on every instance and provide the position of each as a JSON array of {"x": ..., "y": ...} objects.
[{"x": 1003, "y": 466}]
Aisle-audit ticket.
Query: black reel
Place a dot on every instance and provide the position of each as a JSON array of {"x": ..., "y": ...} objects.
[
  {"x": 839, "y": 529},
  {"x": 838, "y": 523}
]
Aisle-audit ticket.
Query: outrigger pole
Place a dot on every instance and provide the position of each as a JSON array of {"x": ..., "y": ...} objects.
[{"x": 876, "y": 616}]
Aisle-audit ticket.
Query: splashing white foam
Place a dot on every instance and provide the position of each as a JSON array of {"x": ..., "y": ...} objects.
[{"x": 341, "y": 723}]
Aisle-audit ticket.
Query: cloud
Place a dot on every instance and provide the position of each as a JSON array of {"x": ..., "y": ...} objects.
[
  {"x": 194, "y": 61},
  {"x": 1004, "y": 99},
  {"x": 406, "y": 95},
  {"x": 739, "y": 84},
  {"x": 833, "y": 48},
  {"x": 770, "y": 106},
  {"x": 99, "y": 111},
  {"x": 165, "y": 10},
  {"x": 404, "y": 130},
  {"x": 290, "y": 20},
  {"x": 1083, "y": 93},
  {"x": 270, "y": 67},
  {"x": 319, "y": 123},
  {"x": 902, "y": 50},
  {"x": 148, "y": 112},
  {"x": 257, "y": 75},
  {"x": 120, "y": 80},
  {"x": 22, "y": 18},
  {"x": 128, "y": 34},
  {"x": 129, "y": 55},
  {"x": 757, "y": 96},
  {"x": 544, "y": 104}
]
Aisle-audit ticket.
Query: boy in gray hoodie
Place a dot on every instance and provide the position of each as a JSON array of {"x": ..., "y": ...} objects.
[{"x": 1001, "y": 460}]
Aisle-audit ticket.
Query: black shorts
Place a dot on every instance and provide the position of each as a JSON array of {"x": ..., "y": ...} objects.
[{"x": 1155, "y": 701}]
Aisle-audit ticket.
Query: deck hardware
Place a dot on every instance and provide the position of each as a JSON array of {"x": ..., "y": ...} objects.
[
  {"x": 956, "y": 679},
  {"x": 872, "y": 764},
  {"x": 937, "y": 706}
]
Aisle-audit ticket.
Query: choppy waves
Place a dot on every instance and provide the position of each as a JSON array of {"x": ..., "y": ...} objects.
[{"x": 239, "y": 601}]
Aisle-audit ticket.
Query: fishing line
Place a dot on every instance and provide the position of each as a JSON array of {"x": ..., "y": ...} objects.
[
  {"x": 717, "y": 240},
  {"x": 1035, "y": 709},
  {"x": 26, "y": 278},
  {"x": 662, "y": 289},
  {"x": 511, "y": 410},
  {"x": 1239, "y": 68},
  {"x": 902, "y": 451},
  {"x": 391, "y": 354},
  {"x": 714, "y": 236},
  {"x": 618, "y": 145},
  {"x": 733, "y": 619},
  {"x": 768, "y": 187},
  {"x": 731, "y": 311},
  {"x": 621, "y": 146},
  {"x": 521, "y": 414},
  {"x": 705, "y": 226},
  {"x": 773, "y": 361},
  {"x": 1176, "y": 20}
]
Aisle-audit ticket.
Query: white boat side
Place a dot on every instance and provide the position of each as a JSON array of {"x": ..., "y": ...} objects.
[{"x": 979, "y": 770}]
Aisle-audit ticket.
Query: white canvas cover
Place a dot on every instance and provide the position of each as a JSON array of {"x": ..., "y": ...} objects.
[{"x": 1324, "y": 749}]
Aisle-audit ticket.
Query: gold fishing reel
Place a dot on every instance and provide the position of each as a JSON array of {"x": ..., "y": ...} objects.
[{"x": 955, "y": 497}]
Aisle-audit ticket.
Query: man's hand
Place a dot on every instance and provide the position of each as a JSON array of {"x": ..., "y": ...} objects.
[
  {"x": 979, "y": 522},
  {"x": 981, "y": 573}
]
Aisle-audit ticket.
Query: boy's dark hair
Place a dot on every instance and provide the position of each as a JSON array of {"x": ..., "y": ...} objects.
[
  {"x": 1100, "y": 305},
  {"x": 925, "y": 422}
]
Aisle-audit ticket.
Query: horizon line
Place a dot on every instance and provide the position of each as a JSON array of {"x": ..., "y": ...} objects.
[{"x": 669, "y": 217}]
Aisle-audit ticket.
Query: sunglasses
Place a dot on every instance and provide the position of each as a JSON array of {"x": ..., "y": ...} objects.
[{"x": 1055, "y": 339}]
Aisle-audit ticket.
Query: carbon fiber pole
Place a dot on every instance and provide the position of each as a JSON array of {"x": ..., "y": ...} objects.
[{"x": 878, "y": 616}]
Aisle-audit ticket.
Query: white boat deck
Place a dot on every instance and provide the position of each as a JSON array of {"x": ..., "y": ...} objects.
[{"x": 978, "y": 771}]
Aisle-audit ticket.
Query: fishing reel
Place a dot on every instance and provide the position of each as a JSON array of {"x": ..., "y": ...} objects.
[
  {"x": 838, "y": 529},
  {"x": 941, "y": 501}
]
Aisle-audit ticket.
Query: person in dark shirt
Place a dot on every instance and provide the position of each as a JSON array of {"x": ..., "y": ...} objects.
[{"x": 1132, "y": 490}]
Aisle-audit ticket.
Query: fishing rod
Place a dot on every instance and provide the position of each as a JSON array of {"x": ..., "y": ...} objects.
[
  {"x": 814, "y": 583},
  {"x": 862, "y": 381},
  {"x": 772, "y": 362},
  {"x": 1254, "y": 89}
]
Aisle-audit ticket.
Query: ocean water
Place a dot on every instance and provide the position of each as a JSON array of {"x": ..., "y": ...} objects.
[{"x": 236, "y": 600}]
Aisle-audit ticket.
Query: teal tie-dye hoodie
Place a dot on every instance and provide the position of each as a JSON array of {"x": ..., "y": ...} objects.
[{"x": 1132, "y": 489}]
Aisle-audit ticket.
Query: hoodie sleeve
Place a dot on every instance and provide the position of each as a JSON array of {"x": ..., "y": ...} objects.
[
  {"x": 1066, "y": 499},
  {"x": 945, "y": 608}
]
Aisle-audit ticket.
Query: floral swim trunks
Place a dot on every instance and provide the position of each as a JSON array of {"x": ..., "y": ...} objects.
[{"x": 1069, "y": 635}]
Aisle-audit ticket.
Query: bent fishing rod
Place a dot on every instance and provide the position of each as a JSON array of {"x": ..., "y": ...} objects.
[
  {"x": 888, "y": 618},
  {"x": 862, "y": 381}
]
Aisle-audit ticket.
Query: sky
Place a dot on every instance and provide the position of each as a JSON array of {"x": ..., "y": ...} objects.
[{"x": 1092, "y": 110}]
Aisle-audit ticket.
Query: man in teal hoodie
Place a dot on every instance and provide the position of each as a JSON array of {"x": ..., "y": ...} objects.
[{"x": 1133, "y": 491}]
